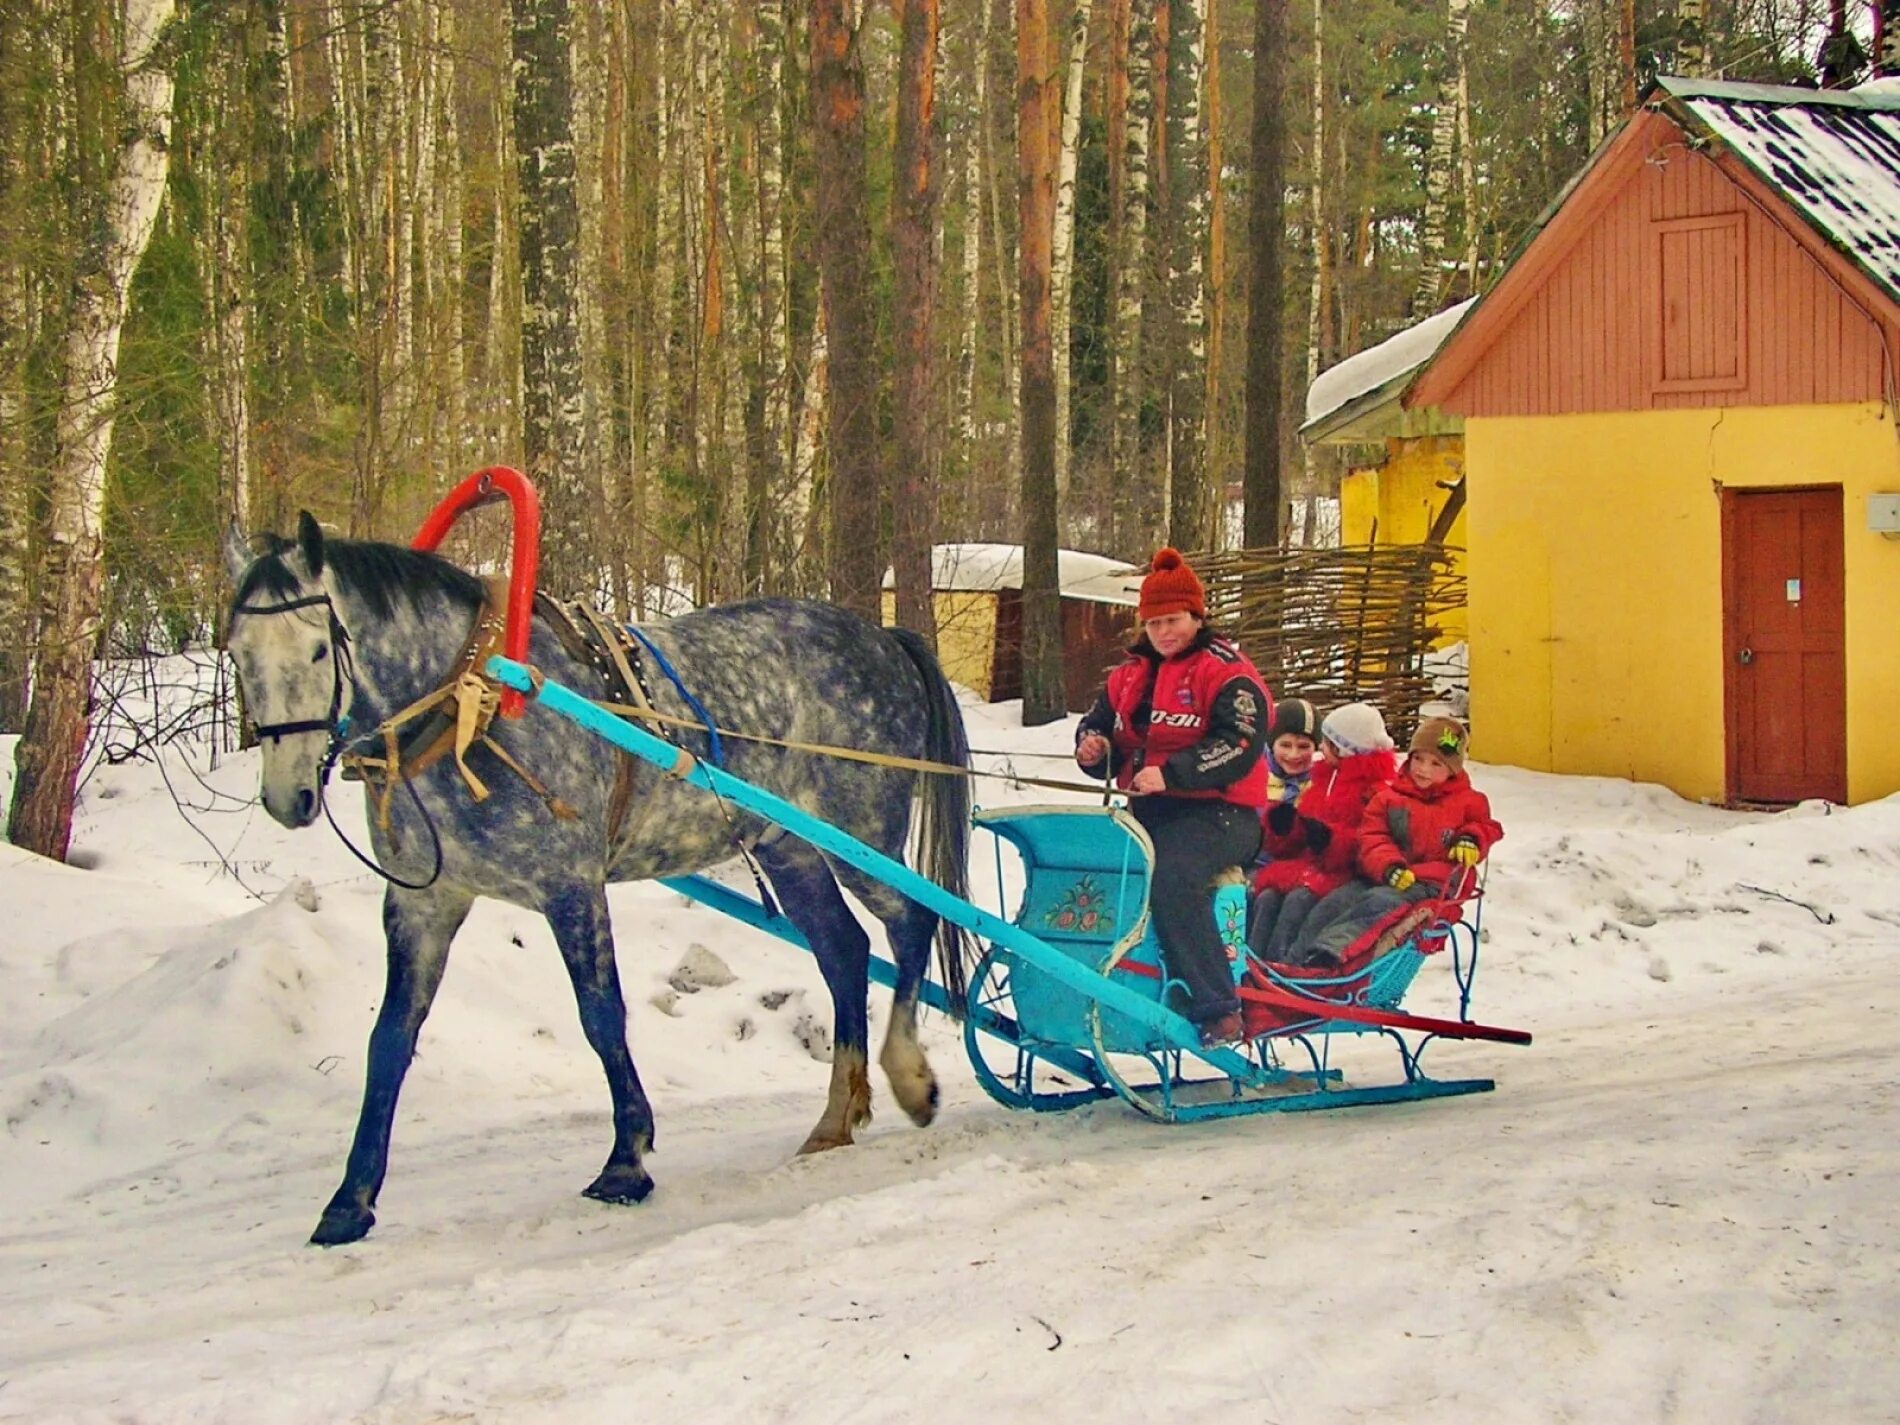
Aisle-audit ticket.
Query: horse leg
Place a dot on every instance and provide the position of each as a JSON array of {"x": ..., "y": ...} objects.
[
  {"x": 578, "y": 914},
  {"x": 418, "y": 926},
  {"x": 809, "y": 895},
  {"x": 910, "y": 927}
]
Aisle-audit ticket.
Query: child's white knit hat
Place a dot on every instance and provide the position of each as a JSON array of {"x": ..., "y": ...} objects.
[{"x": 1355, "y": 728}]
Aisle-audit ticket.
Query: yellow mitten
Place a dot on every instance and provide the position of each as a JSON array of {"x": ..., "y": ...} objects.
[
  {"x": 1400, "y": 878},
  {"x": 1465, "y": 852}
]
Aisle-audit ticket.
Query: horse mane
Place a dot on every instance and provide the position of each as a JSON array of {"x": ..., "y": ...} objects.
[{"x": 375, "y": 572}]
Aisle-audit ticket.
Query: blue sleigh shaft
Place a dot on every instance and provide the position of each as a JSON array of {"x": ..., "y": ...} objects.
[
  {"x": 1174, "y": 1028},
  {"x": 741, "y": 906}
]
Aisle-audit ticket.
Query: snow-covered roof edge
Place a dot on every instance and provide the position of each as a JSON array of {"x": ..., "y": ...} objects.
[
  {"x": 984, "y": 568},
  {"x": 1379, "y": 366}
]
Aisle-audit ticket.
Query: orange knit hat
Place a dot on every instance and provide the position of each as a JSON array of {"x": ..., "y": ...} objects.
[{"x": 1171, "y": 588}]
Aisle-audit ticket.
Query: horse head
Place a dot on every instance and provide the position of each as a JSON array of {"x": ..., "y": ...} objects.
[{"x": 291, "y": 649}]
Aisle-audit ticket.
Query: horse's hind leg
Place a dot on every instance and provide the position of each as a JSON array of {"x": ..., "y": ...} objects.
[
  {"x": 809, "y": 895},
  {"x": 910, "y": 926},
  {"x": 418, "y": 926},
  {"x": 578, "y": 914}
]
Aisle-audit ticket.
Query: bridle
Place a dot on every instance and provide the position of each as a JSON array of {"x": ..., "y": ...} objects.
[{"x": 336, "y": 726}]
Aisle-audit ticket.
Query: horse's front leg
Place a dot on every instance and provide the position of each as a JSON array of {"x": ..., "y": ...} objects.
[
  {"x": 578, "y": 915},
  {"x": 418, "y": 926}
]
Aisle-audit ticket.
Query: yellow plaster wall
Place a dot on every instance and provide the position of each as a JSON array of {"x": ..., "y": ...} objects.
[
  {"x": 966, "y": 635},
  {"x": 1595, "y": 565},
  {"x": 1404, "y": 495}
]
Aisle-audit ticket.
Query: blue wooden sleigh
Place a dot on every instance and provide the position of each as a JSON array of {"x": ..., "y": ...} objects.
[
  {"x": 1070, "y": 1001},
  {"x": 1085, "y": 874}
]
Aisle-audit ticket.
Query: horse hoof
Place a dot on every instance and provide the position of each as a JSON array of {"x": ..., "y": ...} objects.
[
  {"x": 923, "y": 1112},
  {"x": 822, "y": 1143},
  {"x": 622, "y": 1185},
  {"x": 341, "y": 1225}
]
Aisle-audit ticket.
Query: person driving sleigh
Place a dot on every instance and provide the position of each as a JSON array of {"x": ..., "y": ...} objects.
[{"x": 1180, "y": 726}]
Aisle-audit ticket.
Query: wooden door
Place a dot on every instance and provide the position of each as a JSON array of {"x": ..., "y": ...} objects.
[{"x": 1784, "y": 644}]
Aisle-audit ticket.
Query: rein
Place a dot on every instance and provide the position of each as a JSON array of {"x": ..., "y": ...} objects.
[{"x": 848, "y": 754}]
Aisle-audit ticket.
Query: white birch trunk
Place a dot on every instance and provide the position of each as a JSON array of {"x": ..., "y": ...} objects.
[
  {"x": 1467, "y": 167},
  {"x": 49, "y": 752},
  {"x": 1192, "y": 513},
  {"x": 974, "y": 130},
  {"x": 1010, "y": 430},
  {"x": 803, "y": 510},
  {"x": 1062, "y": 259},
  {"x": 1692, "y": 53},
  {"x": 1426, "y": 294},
  {"x": 448, "y": 242},
  {"x": 1316, "y": 295},
  {"x": 1134, "y": 233},
  {"x": 224, "y": 154}
]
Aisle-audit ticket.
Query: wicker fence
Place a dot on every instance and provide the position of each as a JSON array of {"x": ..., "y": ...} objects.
[{"x": 1338, "y": 625}]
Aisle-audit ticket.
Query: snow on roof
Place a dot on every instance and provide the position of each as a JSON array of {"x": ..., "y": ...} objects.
[
  {"x": 1834, "y": 155},
  {"x": 1378, "y": 365},
  {"x": 979, "y": 568}
]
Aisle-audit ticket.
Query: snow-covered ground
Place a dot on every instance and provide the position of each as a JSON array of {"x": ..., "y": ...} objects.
[{"x": 1681, "y": 1204}]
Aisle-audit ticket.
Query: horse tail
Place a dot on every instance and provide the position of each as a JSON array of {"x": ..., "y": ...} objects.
[{"x": 943, "y": 823}]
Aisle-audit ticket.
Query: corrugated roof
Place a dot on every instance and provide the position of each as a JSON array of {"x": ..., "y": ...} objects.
[{"x": 1833, "y": 154}]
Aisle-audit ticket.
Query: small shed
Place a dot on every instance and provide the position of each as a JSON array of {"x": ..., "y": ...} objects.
[
  {"x": 1414, "y": 489},
  {"x": 1680, "y": 447},
  {"x": 977, "y": 594}
]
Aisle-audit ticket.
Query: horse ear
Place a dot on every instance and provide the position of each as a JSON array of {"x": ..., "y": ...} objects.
[
  {"x": 310, "y": 541},
  {"x": 237, "y": 552}
]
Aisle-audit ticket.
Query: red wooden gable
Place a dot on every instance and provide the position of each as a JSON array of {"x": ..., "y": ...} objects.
[{"x": 1669, "y": 276}]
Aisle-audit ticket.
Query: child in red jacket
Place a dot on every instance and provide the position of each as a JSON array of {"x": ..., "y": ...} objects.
[
  {"x": 1314, "y": 840},
  {"x": 1416, "y": 836}
]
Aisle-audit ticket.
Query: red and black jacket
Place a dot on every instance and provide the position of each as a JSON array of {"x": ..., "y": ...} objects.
[{"x": 1200, "y": 716}]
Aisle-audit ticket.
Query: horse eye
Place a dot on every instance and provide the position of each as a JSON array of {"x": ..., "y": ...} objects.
[{"x": 323, "y": 652}]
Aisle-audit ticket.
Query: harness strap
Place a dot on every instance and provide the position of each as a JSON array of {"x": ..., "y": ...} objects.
[
  {"x": 705, "y": 719},
  {"x": 849, "y": 754}
]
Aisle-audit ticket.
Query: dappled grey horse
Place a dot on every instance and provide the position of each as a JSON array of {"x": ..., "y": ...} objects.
[{"x": 331, "y": 637}]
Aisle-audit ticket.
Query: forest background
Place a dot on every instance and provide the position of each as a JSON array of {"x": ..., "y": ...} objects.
[{"x": 767, "y": 295}]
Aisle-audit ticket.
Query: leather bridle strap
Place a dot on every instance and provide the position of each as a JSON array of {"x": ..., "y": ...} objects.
[{"x": 340, "y": 648}]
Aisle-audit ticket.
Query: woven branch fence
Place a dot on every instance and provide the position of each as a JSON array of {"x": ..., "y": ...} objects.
[{"x": 1341, "y": 625}]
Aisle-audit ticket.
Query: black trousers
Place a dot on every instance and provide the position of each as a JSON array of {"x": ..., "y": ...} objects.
[{"x": 1194, "y": 840}]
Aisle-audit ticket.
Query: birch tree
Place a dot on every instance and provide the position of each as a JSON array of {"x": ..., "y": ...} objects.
[
  {"x": 20, "y": 46},
  {"x": 1062, "y": 251},
  {"x": 136, "y": 131},
  {"x": 1887, "y": 36},
  {"x": 1692, "y": 53},
  {"x": 1317, "y": 295},
  {"x": 1430, "y": 287},
  {"x": 1190, "y": 511},
  {"x": 913, "y": 244},
  {"x": 1131, "y": 241},
  {"x": 1266, "y": 295},
  {"x": 549, "y": 236}
]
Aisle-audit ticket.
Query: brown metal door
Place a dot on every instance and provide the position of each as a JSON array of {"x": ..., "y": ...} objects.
[{"x": 1784, "y": 640}]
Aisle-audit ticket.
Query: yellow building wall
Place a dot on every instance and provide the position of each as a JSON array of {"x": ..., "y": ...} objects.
[
  {"x": 1404, "y": 495},
  {"x": 1595, "y": 567},
  {"x": 966, "y": 635}
]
